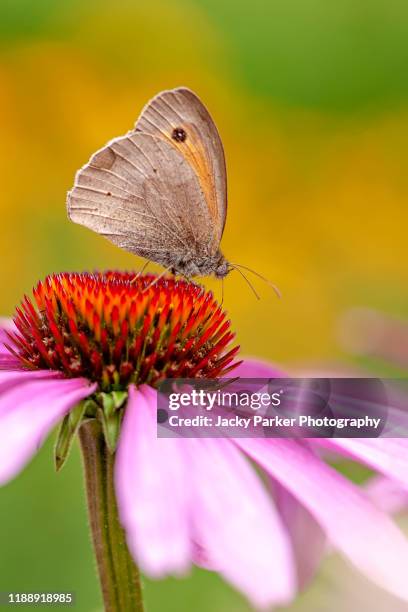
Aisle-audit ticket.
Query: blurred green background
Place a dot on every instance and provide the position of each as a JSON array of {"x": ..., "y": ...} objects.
[{"x": 311, "y": 99}]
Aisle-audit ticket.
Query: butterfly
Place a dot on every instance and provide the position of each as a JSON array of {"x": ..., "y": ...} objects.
[{"x": 160, "y": 191}]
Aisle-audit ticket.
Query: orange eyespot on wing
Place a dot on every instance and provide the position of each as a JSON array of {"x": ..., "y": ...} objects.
[{"x": 179, "y": 117}]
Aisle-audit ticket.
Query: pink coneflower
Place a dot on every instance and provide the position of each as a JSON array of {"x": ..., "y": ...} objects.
[{"x": 89, "y": 351}]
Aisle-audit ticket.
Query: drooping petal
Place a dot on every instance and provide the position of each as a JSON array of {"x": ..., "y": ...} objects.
[
  {"x": 308, "y": 539},
  {"x": 387, "y": 494},
  {"x": 386, "y": 455},
  {"x": 28, "y": 412},
  {"x": 13, "y": 378},
  {"x": 236, "y": 523},
  {"x": 201, "y": 559},
  {"x": 353, "y": 524},
  {"x": 7, "y": 359},
  {"x": 5, "y": 326},
  {"x": 152, "y": 490}
]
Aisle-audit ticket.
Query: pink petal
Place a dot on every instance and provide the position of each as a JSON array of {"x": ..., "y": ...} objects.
[
  {"x": 28, "y": 412},
  {"x": 7, "y": 359},
  {"x": 152, "y": 491},
  {"x": 235, "y": 522},
  {"x": 200, "y": 557},
  {"x": 387, "y": 494},
  {"x": 255, "y": 368},
  {"x": 307, "y": 537},
  {"x": 386, "y": 455},
  {"x": 5, "y": 326},
  {"x": 11, "y": 378},
  {"x": 362, "y": 532}
]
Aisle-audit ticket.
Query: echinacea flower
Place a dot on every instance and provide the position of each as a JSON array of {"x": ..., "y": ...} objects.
[{"x": 92, "y": 348}]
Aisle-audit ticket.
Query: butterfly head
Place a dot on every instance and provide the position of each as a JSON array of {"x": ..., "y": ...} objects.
[{"x": 222, "y": 268}]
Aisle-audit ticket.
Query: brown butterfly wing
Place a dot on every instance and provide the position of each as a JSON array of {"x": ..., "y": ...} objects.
[
  {"x": 179, "y": 118},
  {"x": 141, "y": 193}
]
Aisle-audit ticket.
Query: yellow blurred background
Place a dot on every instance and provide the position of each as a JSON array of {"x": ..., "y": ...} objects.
[
  {"x": 311, "y": 102},
  {"x": 317, "y": 185}
]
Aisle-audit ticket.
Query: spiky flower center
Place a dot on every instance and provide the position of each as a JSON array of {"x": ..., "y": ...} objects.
[{"x": 115, "y": 328}]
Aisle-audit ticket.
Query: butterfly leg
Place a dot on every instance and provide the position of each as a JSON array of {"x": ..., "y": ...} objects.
[
  {"x": 142, "y": 269},
  {"x": 157, "y": 279}
]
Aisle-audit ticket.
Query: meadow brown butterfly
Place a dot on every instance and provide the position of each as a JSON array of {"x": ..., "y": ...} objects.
[{"x": 160, "y": 191}]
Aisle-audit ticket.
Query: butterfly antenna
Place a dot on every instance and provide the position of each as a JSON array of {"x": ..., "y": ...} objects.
[
  {"x": 266, "y": 280},
  {"x": 142, "y": 269},
  {"x": 234, "y": 267},
  {"x": 222, "y": 291}
]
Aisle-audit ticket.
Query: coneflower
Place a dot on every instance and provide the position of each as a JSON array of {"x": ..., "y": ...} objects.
[{"x": 88, "y": 351}]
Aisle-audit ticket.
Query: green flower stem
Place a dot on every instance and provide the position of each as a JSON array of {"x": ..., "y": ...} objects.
[{"x": 118, "y": 574}]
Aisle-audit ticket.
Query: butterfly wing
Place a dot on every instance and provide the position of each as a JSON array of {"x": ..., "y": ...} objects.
[
  {"x": 143, "y": 195},
  {"x": 159, "y": 191},
  {"x": 179, "y": 118}
]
